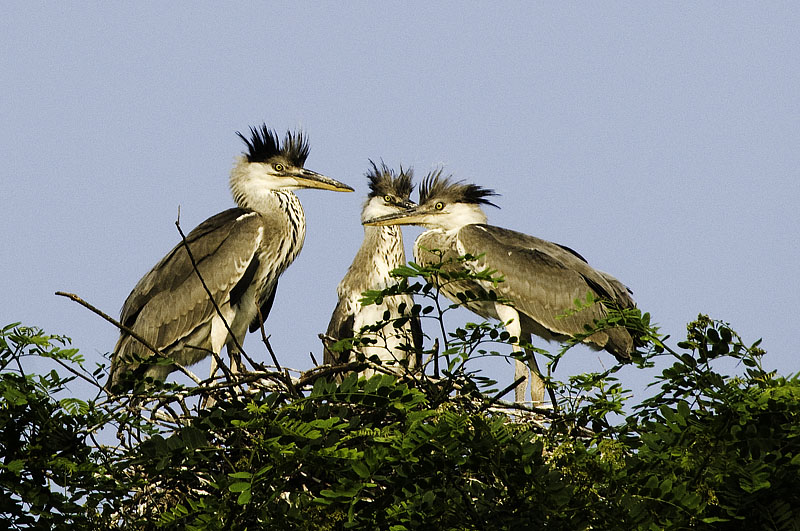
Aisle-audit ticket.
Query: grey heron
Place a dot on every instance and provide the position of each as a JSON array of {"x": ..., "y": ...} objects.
[
  {"x": 541, "y": 279},
  {"x": 380, "y": 252},
  {"x": 240, "y": 254}
]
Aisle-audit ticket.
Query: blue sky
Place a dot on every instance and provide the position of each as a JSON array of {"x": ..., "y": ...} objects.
[{"x": 661, "y": 142}]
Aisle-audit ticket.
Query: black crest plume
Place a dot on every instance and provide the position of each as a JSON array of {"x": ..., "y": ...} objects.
[
  {"x": 383, "y": 181},
  {"x": 264, "y": 144},
  {"x": 437, "y": 187}
]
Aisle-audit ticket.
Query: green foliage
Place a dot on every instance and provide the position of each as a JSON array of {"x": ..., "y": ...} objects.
[
  {"x": 47, "y": 468},
  {"x": 364, "y": 454},
  {"x": 708, "y": 450},
  {"x": 725, "y": 447}
]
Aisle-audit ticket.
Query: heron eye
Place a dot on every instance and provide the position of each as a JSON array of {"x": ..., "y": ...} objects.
[
  {"x": 388, "y": 199},
  {"x": 278, "y": 166},
  {"x": 439, "y": 205}
]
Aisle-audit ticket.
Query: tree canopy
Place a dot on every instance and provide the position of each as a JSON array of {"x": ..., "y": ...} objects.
[{"x": 436, "y": 450}]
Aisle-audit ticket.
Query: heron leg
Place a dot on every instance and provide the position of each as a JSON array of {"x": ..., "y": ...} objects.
[
  {"x": 236, "y": 358},
  {"x": 520, "y": 371},
  {"x": 537, "y": 382},
  {"x": 236, "y": 363},
  {"x": 510, "y": 319},
  {"x": 236, "y": 367},
  {"x": 527, "y": 369},
  {"x": 214, "y": 368}
]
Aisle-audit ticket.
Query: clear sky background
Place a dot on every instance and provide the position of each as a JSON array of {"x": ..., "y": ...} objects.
[{"x": 662, "y": 142}]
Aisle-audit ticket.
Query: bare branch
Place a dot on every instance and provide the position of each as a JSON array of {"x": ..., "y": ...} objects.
[
  {"x": 239, "y": 348},
  {"x": 77, "y": 373},
  {"x": 502, "y": 393},
  {"x": 113, "y": 321},
  {"x": 265, "y": 340},
  {"x": 125, "y": 329}
]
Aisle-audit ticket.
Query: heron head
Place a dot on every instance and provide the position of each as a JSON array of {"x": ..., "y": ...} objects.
[
  {"x": 269, "y": 164},
  {"x": 443, "y": 204},
  {"x": 389, "y": 192}
]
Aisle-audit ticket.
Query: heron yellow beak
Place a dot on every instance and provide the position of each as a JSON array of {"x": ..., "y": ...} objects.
[
  {"x": 311, "y": 179},
  {"x": 412, "y": 216}
]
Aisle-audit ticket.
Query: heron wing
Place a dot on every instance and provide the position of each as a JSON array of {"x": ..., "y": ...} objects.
[
  {"x": 603, "y": 284},
  {"x": 430, "y": 241},
  {"x": 542, "y": 279},
  {"x": 417, "y": 337},
  {"x": 264, "y": 308},
  {"x": 341, "y": 327},
  {"x": 169, "y": 302}
]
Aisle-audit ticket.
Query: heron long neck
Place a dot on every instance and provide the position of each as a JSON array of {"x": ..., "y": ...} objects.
[
  {"x": 386, "y": 246},
  {"x": 279, "y": 207},
  {"x": 380, "y": 252},
  {"x": 292, "y": 242}
]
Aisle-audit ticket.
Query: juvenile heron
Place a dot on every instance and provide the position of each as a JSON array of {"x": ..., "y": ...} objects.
[
  {"x": 381, "y": 251},
  {"x": 240, "y": 253},
  {"x": 541, "y": 278}
]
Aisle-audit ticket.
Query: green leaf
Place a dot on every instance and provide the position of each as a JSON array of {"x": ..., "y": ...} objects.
[
  {"x": 361, "y": 469},
  {"x": 244, "y": 497},
  {"x": 15, "y": 466},
  {"x": 239, "y": 487}
]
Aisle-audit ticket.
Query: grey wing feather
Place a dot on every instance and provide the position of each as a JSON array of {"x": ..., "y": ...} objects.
[
  {"x": 542, "y": 278},
  {"x": 212, "y": 232},
  {"x": 340, "y": 327},
  {"x": 169, "y": 302},
  {"x": 417, "y": 338},
  {"x": 264, "y": 309},
  {"x": 431, "y": 241},
  {"x": 605, "y": 285}
]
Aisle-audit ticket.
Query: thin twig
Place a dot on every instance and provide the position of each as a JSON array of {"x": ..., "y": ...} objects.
[
  {"x": 124, "y": 328},
  {"x": 265, "y": 340},
  {"x": 504, "y": 406},
  {"x": 289, "y": 382},
  {"x": 316, "y": 373},
  {"x": 502, "y": 393},
  {"x": 435, "y": 355},
  {"x": 186, "y": 371},
  {"x": 113, "y": 321},
  {"x": 76, "y": 373},
  {"x": 239, "y": 348}
]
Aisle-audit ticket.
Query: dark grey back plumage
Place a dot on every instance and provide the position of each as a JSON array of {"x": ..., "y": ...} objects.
[{"x": 542, "y": 279}]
